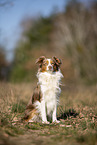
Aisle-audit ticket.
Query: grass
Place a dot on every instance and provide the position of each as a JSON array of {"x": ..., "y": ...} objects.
[
  {"x": 77, "y": 112},
  {"x": 18, "y": 107}
]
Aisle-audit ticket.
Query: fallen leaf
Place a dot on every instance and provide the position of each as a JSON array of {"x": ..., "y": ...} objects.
[
  {"x": 81, "y": 115},
  {"x": 5, "y": 134},
  {"x": 62, "y": 120},
  {"x": 62, "y": 125},
  {"x": 15, "y": 119},
  {"x": 68, "y": 125},
  {"x": 13, "y": 123}
]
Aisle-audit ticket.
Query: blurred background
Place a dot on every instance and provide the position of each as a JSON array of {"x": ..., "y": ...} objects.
[{"x": 63, "y": 28}]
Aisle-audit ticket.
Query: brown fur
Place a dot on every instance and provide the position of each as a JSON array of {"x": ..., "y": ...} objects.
[
  {"x": 40, "y": 60},
  {"x": 57, "y": 63},
  {"x": 30, "y": 109},
  {"x": 43, "y": 62}
]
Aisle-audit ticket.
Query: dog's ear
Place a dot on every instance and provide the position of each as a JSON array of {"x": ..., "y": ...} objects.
[
  {"x": 57, "y": 61},
  {"x": 40, "y": 60}
]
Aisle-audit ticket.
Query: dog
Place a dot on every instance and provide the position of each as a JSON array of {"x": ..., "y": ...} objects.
[{"x": 43, "y": 103}]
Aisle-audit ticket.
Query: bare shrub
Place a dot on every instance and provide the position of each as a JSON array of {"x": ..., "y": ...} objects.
[{"x": 75, "y": 37}]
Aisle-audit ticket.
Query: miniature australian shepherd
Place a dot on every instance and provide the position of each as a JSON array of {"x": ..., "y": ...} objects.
[{"x": 43, "y": 103}]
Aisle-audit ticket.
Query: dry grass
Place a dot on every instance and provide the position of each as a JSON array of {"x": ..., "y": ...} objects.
[{"x": 77, "y": 112}]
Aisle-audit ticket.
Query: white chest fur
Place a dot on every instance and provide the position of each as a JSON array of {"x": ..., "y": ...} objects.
[{"x": 49, "y": 83}]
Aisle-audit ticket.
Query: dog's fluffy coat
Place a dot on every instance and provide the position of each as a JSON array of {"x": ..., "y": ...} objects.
[{"x": 46, "y": 96}]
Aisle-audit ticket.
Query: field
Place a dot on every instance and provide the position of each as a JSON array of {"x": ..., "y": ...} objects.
[{"x": 77, "y": 112}]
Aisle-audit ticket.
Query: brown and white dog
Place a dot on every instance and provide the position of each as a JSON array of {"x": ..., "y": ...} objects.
[{"x": 45, "y": 98}]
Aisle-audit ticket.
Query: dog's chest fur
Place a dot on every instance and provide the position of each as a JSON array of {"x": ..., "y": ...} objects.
[{"x": 49, "y": 84}]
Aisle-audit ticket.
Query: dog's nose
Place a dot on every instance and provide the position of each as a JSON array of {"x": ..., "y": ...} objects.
[{"x": 50, "y": 67}]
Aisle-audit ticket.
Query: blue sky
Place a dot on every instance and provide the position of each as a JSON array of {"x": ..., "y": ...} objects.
[{"x": 10, "y": 18}]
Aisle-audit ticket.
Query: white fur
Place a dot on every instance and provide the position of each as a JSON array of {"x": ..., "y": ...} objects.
[
  {"x": 49, "y": 64},
  {"x": 49, "y": 83}
]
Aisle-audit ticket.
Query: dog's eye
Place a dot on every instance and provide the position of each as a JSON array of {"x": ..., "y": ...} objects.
[{"x": 45, "y": 63}]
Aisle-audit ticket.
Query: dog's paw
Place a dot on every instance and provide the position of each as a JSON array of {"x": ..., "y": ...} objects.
[
  {"x": 56, "y": 121},
  {"x": 30, "y": 120},
  {"x": 45, "y": 122}
]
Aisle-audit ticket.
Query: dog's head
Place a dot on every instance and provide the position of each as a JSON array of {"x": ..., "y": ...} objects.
[{"x": 48, "y": 65}]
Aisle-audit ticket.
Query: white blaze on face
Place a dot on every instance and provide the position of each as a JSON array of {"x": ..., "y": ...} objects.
[{"x": 49, "y": 66}]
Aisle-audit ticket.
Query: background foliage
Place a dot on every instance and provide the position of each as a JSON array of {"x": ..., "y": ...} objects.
[
  {"x": 3, "y": 64},
  {"x": 70, "y": 35}
]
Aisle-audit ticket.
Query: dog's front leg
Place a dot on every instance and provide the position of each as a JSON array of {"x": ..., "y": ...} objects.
[
  {"x": 43, "y": 112},
  {"x": 54, "y": 118}
]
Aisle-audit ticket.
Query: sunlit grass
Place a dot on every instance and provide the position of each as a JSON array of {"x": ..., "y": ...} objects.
[{"x": 77, "y": 113}]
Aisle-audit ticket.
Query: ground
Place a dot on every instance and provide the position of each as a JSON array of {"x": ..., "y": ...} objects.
[{"x": 77, "y": 112}]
